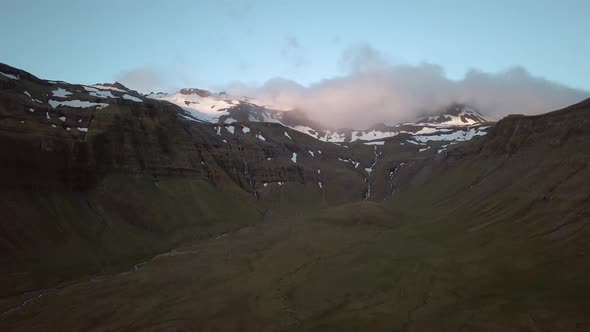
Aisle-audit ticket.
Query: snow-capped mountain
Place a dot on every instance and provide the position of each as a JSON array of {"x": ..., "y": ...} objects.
[
  {"x": 199, "y": 104},
  {"x": 456, "y": 123},
  {"x": 456, "y": 115}
]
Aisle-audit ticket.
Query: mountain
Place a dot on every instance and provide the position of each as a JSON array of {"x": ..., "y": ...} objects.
[
  {"x": 184, "y": 216},
  {"x": 455, "y": 123},
  {"x": 456, "y": 115}
]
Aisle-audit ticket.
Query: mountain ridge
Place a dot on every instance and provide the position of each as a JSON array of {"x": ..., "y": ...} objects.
[{"x": 96, "y": 181}]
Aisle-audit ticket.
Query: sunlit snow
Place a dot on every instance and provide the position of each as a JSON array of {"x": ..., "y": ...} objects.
[{"x": 207, "y": 109}]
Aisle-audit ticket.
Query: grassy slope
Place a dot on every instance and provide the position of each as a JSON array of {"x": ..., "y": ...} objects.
[
  {"x": 138, "y": 183},
  {"x": 112, "y": 227},
  {"x": 479, "y": 245}
]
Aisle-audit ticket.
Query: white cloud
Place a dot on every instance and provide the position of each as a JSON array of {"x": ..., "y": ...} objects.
[{"x": 373, "y": 90}]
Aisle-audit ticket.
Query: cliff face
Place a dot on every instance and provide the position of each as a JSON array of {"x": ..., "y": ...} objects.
[
  {"x": 97, "y": 177},
  {"x": 567, "y": 127},
  {"x": 102, "y": 165},
  {"x": 470, "y": 219},
  {"x": 82, "y": 144}
]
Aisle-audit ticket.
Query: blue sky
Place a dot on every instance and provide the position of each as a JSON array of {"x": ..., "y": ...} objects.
[{"x": 210, "y": 43}]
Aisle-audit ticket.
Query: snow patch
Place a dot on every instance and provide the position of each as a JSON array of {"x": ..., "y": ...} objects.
[
  {"x": 289, "y": 137},
  {"x": 333, "y": 137},
  {"x": 294, "y": 157},
  {"x": 132, "y": 98},
  {"x": 207, "y": 109},
  {"x": 353, "y": 162},
  {"x": 105, "y": 87},
  {"x": 245, "y": 130},
  {"x": 375, "y": 143},
  {"x": 231, "y": 129},
  {"x": 12, "y": 77},
  {"x": 33, "y": 99},
  {"x": 457, "y": 136},
  {"x": 371, "y": 135},
  {"x": 76, "y": 104},
  {"x": 99, "y": 93},
  {"x": 468, "y": 116},
  {"x": 61, "y": 92}
]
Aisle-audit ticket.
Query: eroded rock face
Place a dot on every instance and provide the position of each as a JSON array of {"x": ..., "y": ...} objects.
[
  {"x": 93, "y": 176},
  {"x": 80, "y": 145},
  {"x": 199, "y": 92},
  {"x": 78, "y": 140},
  {"x": 99, "y": 175},
  {"x": 569, "y": 126}
]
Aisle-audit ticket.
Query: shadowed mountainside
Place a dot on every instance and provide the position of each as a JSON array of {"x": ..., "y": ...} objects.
[{"x": 487, "y": 235}]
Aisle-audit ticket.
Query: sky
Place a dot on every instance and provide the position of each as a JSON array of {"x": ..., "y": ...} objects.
[{"x": 220, "y": 44}]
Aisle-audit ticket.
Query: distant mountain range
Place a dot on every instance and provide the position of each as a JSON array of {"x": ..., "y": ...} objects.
[
  {"x": 203, "y": 211},
  {"x": 456, "y": 122}
]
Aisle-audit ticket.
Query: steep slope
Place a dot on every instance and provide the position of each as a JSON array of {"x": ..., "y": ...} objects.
[
  {"x": 261, "y": 227},
  {"x": 102, "y": 165},
  {"x": 204, "y": 106},
  {"x": 490, "y": 236}
]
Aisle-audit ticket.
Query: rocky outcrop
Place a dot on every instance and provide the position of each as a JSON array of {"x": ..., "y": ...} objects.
[{"x": 569, "y": 126}]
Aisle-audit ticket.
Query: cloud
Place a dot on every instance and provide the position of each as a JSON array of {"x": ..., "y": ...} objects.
[
  {"x": 292, "y": 52},
  {"x": 375, "y": 91},
  {"x": 362, "y": 57},
  {"x": 142, "y": 79}
]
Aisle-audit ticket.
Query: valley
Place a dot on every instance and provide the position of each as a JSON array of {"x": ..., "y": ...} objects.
[{"x": 248, "y": 218}]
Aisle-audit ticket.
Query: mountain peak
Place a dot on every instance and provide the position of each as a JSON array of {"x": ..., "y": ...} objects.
[
  {"x": 118, "y": 85},
  {"x": 456, "y": 114},
  {"x": 195, "y": 91}
]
